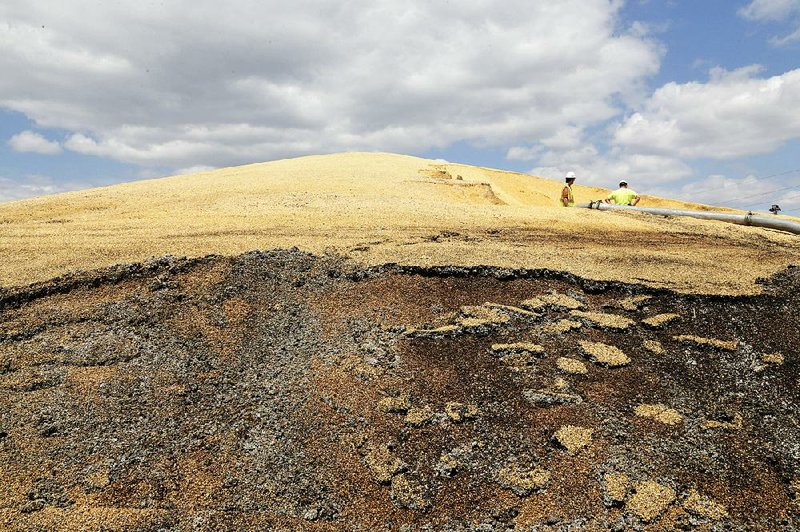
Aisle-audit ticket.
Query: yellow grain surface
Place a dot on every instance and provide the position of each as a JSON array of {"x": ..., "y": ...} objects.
[
  {"x": 552, "y": 300},
  {"x": 603, "y": 354},
  {"x": 572, "y": 366},
  {"x": 773, "y": 358},
  {"x": 654, "y": 346},
  {"x": 518, "y": 346},
  {"x": 573, "y": 438},
  {"x": 602, "y": 319},
  {"x": 727, "y": 345},
  {"x": 704, "y": 507},
  {"x": 650, "y": 499},
  {"x": 661, "y": 413},
  {"x": 561, "y": 326},
  {"x": 616, "y": 486},
  {"x": 660, "y": 320},
  {"x": 380, "y": 208}
]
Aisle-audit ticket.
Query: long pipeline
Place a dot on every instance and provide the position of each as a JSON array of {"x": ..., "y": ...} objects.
[{"x": 741, "y": 219}]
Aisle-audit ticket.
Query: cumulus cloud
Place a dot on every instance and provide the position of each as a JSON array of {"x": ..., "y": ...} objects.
[
  {"x": 524, "y": 153},
  {"x": 29, "y": 141},
  {"x": 735, "y": 114},
  {"x": 772, "y": 11},
  {"x": 190, "y": 83},
  {"x": 643, "y": 172}
]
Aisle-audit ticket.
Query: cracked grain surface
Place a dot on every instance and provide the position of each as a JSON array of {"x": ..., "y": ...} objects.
[{"x": 242, "y": 393}]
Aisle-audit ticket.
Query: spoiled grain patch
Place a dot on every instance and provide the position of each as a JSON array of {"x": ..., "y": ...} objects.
[{"x": 282, "y": 392}]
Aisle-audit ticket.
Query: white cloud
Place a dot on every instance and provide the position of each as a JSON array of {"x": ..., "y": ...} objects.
[
  {"x": 763, "y": 10},
  {"x": 33, "y": 185},
  {"x": 734, "y": 114},
  {"x": 186, "y": 83},
  {"x": 790, "y": 201},
  {"x": 524, "y": 153},
  {"x": 643, "y": 172},
  {"x": 787, "y": 39},
  {"x": 29, "y": 141},
  {"x": 567, "y": 137},
  {"x": 193, "y": 169},
  {"x": 773, "y": 11}
]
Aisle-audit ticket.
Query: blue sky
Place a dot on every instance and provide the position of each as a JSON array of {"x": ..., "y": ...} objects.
[
  {"x": 699, "y": 100},
  {"x": 700, "y": 35}
]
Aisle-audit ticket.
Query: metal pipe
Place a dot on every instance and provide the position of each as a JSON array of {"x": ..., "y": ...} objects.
[{"x": 741, "y": 219}]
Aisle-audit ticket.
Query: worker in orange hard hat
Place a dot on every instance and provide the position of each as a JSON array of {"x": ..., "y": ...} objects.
[{"x": 567, "y": 197}]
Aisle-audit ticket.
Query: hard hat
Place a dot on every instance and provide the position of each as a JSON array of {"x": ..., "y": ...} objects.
[
  {"x": 623, "y": 182},
  {"x": 570, "y": 175}
]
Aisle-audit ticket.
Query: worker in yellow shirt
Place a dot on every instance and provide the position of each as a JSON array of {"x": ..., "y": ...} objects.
[
  {"x": 567, "y": 197},
  {"x": 623, "y": 195}
]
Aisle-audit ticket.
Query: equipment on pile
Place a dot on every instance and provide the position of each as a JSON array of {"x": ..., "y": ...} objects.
[{"x": 741, "y": 219}]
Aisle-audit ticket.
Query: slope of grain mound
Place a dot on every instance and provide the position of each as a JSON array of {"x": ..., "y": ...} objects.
[{"x": 380, "y": 208}]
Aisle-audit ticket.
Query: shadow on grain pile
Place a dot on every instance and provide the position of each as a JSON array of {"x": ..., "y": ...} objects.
[{"x": 282, "y": 390}]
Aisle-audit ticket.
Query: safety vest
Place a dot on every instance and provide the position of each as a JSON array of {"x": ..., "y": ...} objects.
[
  {"x": 623, "y": 196},
  {"x": 571, "y": 200}
]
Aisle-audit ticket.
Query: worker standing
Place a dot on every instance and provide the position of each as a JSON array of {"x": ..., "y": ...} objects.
[
  {"x": 623, "y": 195},
  {"x": 567, "y": 198}
]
